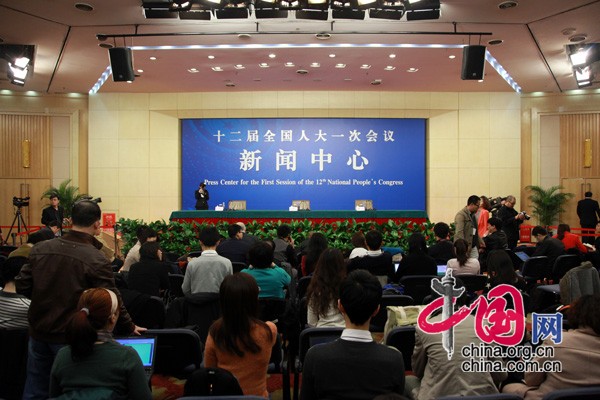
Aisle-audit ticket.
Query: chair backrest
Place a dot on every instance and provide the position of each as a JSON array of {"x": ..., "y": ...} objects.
[
  {"x": 271, "y": 308},
  {"x": 302, "y": 286},
  {"x": 563, "y": 264},
  {"x": 175, "y": 282},
  {"x": 236, "y": 205},
  {"x": 212, "y": 382},
  {"x": 378, "y": 321},
  {"x": 495, "y": 396},
  {"x": 194, "y": 254},
  {"x": 581, "y": 393},
  {"x": 313, "y": 336},
  {"x": 146, "y": 311},
  {"x": 13, "y": 362},
  {"x": 473, "y": 283},
  {"x": 403, "y": 339},
  {"x": 417, "y": 286},
  {"x": 534, "y": 268},
  {"x": 238, "y": 266},
  {"x": 178, "y": 351}
]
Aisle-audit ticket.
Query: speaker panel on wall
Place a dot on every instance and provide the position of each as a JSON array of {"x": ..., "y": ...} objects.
[
  {"x": 121, "y": 64},
  {"x": 473, "y": 62}
]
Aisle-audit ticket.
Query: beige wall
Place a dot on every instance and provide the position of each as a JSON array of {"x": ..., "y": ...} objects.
[{"x": 134, "y": 158}]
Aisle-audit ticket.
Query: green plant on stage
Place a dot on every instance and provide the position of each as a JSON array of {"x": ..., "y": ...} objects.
[
  {"x": 67, "y": 193},
  {"x": 548, "y": 203}
]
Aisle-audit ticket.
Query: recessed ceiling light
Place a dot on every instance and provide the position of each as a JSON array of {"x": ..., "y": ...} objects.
[
  {"x": 508, "y": 4},
  {"x": 332, "y": 55},
  {"x": 452, "y": 56},
  {"x": 392, "y": 55},
  {"x": 217, "y": 69},
  {"x": 211, "y": 57},
  {"x": 340, "y": 65},
  {"x": 376, "y": 82},
  {"x": 365, "y": 66},
  {"x": 412, "y": 69},
  {"x": 193, "y": 70},
  {"x": 480, "y": 80},
  {"x": 317, "y": 80},
  {"x": 347, "y": 79},
  {"x": 106, "y": 45},
  {"x": 495, "y": 42},
  {"x": 263, "y": 65},
  {"x": 302, "y": 72},
  {"x": 140, "y": 70},
  {"x": 568, "y": 31},
  {"x": 129, "y": 81},
  {"x": 315, "y": 65},
  {"x": 390, "y": 68},
  {"x": 230, "y": 84},
  {"x": 579, "y": 37},
  {"x": 84, "y": 7},
  {"x": 244, "y": 36},
  {"x": 257, "y": 79},
  {"x": 272, "y": 55},
  {"x": 239, "y": 66},
  {"x": 153, "y": 58},
  {"x": 289, "y": 64},
  {"x": 323, "y": 36}
]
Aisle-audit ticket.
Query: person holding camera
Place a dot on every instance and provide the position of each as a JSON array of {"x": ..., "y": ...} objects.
[
  {"x": 511, "y": 220},
  {"x": 201, "y": 197}
]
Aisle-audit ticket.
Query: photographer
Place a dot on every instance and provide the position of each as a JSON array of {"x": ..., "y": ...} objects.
[{"x": 511, "y": 220}]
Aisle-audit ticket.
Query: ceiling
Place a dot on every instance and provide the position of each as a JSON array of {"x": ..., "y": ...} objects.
[{"x": 68, "y": 58}]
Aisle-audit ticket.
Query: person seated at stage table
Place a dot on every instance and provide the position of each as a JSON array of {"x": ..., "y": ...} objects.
[
  {"x": 284, "y": 246},
  {"x": 570, "y": 240},
  {"x": 417, "y": 261},
  {"x": 271, "y": 279},
  {"x": 463, "y": 264},
  {"x": 316, "y": 245},
  {"x": 150, "y": 275},
  {"x": 359, "y": 245},
  {"x": 204, "y": 274},
  {"x": 144, "y": 234},
  {"x": 234, "y": 248},
  {"x": 442, "y": 250},
  {"x": 323, "y": 291},
  {"x": 377, "y": 262},
  {"x": 578, "y": 353}
]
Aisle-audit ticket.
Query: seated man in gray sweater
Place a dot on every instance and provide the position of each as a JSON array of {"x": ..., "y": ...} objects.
[
  {"x": 354, "y": 366},
  {"x": 204, "y": 274}
]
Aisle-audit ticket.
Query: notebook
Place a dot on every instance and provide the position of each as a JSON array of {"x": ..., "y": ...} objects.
[
  {"x": 441, "y": 269},
  {"x": 145, "y": 346},
  {"x": 522, "y": 255}
]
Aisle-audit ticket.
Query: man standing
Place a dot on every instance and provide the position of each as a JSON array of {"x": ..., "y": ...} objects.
[
  {"x": 59, "y": 271},
  {"x": 466, "y": 225},
  {"x": 54, "y": 212},
  {"x": 354, "y": 366},
  {"x": 204, "y": 274},
  {"x": 511, "y": 220},
  {"x": 588, "y": 213}
]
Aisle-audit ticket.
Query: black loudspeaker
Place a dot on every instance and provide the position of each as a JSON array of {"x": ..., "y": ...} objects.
[
  {"x": 473, "y": 62},
  {"x": 121, "y": 64}
]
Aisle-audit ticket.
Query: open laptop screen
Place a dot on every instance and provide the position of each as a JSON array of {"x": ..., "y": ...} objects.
[
  {"x": 144, "y": 346},
  {"x": 522, "y": 255},
  {"x": 441, "y": 269}
]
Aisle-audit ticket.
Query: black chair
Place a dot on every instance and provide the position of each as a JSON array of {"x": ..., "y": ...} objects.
[
  {"x": 175, "y": 282},
  {"x": 146, "y": 311},
  {"x": 194, "y": 254},
  {"x": 379, "y": 320},
  {"x": 199, "y": 310},
  {"x": 13, "y": 362},
  {"x": 308, "y": 338},
  {"x": 7, "y": 249},
  {"x": 473, "y": 283},
  {"x": 403, "y": 339},
  {"x": 271, "y": 308},
  {"x": 581, "y": 393},
  {"x": 517, "y": 262},
  {"x": 534, "y": 269},
  {"x": 563, "y": 264},
  {"x": 178, "y": 351},
  {"x": 302, "y": 286},
  {"x": 496, "y": 396},
  {"x": 417, "y": 286},
  {"x": 238, "y": 266}
]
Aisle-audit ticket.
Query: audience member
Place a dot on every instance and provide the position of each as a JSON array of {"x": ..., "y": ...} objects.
[
  {"x": 416, "y": 262},
  {"x": 578, "y": 352},
  {"x": 270, "y": 278},
  {"x": 442, "y": 250},
  {"x": 354, "y": 366},
  {"x": 483, "y": 215},
  {"x": 359, "y": 245},
  {"x": 324, "y": 290},
  {"x": 54, "y": 293},
  {"x": 588, "y": 212},
  {"x": 570, "y": 240},
  {"x": 465, "y": 225},
  {"x": 144, "y": 234},
  {"x": 511, "y": 220},
  {"x": 238, "y": 341},
  {"x": 54, "y": 212},
  {"x": 234, "y": 248},
  {"x": 377, "y": 262},
  {"x": 463, "y": 264},
  {"x": 501, "y": 270},
  {"x": 204, "y": 274},
  {"x": 546, "y": 245},
  {"x": 13, "y": 306},
  {"x": 316, "y": 244},
  {"x": 150, "y": 275},
  {"x": 246, "y": 236},
  {"x": 495, "y": 238},
  {"x": 93, "y": 364},
  {"x": 284, "y": 246},
  {"x": 35, "y": 237},
  {"x": 437, "y": 374}
]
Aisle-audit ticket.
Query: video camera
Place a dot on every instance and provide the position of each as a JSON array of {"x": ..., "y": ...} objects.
[
  {"x": 90, "y": 198},
  {"x": 527, "y": 216},
  {"x": 21, "y": 201}
]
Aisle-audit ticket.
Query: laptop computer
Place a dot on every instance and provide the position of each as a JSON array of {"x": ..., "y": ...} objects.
[
  {"x": 522, "y": 255},
  {"x": 441, "y": 269},
  {"x": 145, "y": 346}
]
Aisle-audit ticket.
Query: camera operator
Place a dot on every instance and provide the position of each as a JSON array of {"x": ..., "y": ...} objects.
[
  {"x": 511, "y": 220},
  {"x": 54, "y": 212}
]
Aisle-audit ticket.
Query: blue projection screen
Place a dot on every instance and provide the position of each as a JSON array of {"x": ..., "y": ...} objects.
[{"x": 332, "y": 162}]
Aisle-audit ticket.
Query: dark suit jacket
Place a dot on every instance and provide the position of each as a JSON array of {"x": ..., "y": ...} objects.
[
  {"x": 49, "y": 214},
  {"x": 380, "y": 265},
  {"x": 588, "y": 212},
  {"x": 236, "y": 250},
  {"x": 551, "y": 248},
  {"x": 442, "y": 251},
  {"x": 495, "y": 241},
  {"x": 416, "y": 264}
]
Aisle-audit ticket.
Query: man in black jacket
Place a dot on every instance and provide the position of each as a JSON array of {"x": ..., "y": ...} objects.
[
  {"x": 511, "y": 220},
  {"x": 588, "y": 212},
  {"x": 54, "y": 213}
]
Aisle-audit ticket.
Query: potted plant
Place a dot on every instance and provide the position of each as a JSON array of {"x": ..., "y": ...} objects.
[
  {"x": 67, "y": 194},
  {"x": 547, "y": 203}
]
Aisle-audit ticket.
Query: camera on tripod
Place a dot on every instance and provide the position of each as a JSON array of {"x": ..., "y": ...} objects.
[{"x": 21, "y": 201}]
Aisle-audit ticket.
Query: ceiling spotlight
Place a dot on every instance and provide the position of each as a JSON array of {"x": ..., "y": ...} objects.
[
  {"x": 84, "y": 7},
  {"x": 140, "y": 71},
  {"x": 365, "y": 66},
  {"x": 340, "y": 65},
  {"x": 390, "y": 68},
  {"x": 376, "y": 82},
  {"x": 193, "y": 70},
  {"x": 315, "y": 65},
  {"x": 217, "y": 69},
  {"x": 412, "y": 69},
  {"x": 392, "y": 56},
  {"x": 152, "y": 58},
  {"x": 211, "y": 57},
  {"x": 239, "y": 66},
  {"x": 272, "y": 55},
  {"x": 288, "y": 64},
  {"x": 332, "y": 55},
  {"x": 505, "y": 5},
  {"x": 20, "y": 61},
  {"x": 263, "y": 65},
  {"x": 452, "y": 56}
]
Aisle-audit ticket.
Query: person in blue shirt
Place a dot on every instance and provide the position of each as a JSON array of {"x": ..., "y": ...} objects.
[{"x": 271, "y": 279}]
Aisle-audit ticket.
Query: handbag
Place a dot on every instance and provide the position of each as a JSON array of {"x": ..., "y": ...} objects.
[{"x": 401, "y": 316}]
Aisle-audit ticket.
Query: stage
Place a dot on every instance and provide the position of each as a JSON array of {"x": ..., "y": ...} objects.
[{"x": 260, "y": 216}]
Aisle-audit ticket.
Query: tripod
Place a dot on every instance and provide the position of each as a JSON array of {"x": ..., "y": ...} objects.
[{"x": 21, "y": 225}]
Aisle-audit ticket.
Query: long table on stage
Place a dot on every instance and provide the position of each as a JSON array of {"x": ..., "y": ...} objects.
[{"x": 378, "y": 216}]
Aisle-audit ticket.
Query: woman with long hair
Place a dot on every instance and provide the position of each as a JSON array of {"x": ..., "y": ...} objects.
[
  {"x": 238, "y": 341},
  {"x": 501, "y": 270},
  {"x": 570, "y": 240},
  {"x": 92, "y": 362},
  {"x": 316, "y": 244},
  {"x": 417, "y": 261},
  {"x": 323, "y": 290},
  {"x": 463, "y": 264}
]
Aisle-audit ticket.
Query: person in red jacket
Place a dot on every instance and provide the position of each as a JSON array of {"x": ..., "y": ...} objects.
[{"x": 570, "y": 240}]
